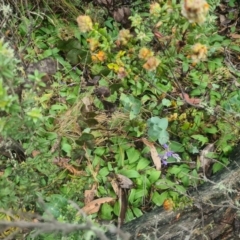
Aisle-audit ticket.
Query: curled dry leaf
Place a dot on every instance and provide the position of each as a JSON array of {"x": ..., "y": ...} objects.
[
  {"x": 119, "y": 182},
  {"x": 123, "y": 206},
  {"x": 189, "y": 100},
  {"x": 90, "y": 194},
  {"x": 94, "y": 206},
  {"x": 35, "y": 153},
  {"x": 205, "y": 161},
  {"x": 122, "y": 14},
  {"x": 87, "y": 101},
  {"x": 63, "y": 163},
  {"x": 124, "y": 182},
  {"x": 154, "y": 153}
]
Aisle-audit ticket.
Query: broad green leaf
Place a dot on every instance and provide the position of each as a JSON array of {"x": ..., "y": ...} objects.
[
  {"x": 166, "y": 102},
  {"x": 185, "y": 66},
  {"x": 7, "y": 172},
  {"x": 116, "y": 208},
  {"x": 174, "y": 170},
  {"x": 129, "y": 173},
  {"x": 211, "y": 130},
  {"x": 162, "y": 123},
  {"x": 200, "y": 138},
  {"x": 154, "y": 175},
  {"x": 217, "y": 167},
  {"x": 106, "y": 211},
  {"x": 103, "y": 172},
  {"x": 176, "y": 147},
  {"x": 35, "y": 113},
  {"x": 137, "y": 212},
  {"x": 133, "y": 155},
  {"x": 163, "y": 137},
  {"x": 140, "y": 193},
  {"x": 66, "y": 147},
  {"x": 131, "y": 197},
  {"x": 142, "y": 163},
  {"x": 129, "y": 216},
  {"x": 159, "y": 199},
  {"x": 100, "y": 151},
  {"x": 164, "y": 184}
]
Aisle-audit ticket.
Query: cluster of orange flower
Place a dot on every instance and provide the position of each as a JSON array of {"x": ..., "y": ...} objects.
[
  {"x": 151, "y": 61},
  {"x": 85, "y": 24},
  {"x": 199, "y": 53},
  {"x": 195, "y": 10}
]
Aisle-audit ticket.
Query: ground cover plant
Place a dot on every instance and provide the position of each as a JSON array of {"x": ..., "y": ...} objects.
[{"x": 112, "y": 117}]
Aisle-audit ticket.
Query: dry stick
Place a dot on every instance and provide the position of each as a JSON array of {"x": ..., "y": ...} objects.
[{"x": 65, "y": 228}]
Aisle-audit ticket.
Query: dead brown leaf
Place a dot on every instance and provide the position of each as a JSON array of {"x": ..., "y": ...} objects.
[
  {"x": 90, "y": 194},
  {"x": 234, "y": 35},
  {"x": 124, "y": 182},
  {"x": 63, "y": 163},
  {"x": 154, "y": 153},
  {"x": 123, "y": 207},
  {"x": 35, "y": 153},
  {"x": 205, "y": 161},
  {"x": 115, "y": 187},
  {"x": 94, "y": 206},
  {"x": 194, "y": 101}
]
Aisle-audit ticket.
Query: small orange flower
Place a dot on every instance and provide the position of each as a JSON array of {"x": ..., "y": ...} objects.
[
  {"x": 199, "y": 53},
  {"x": 100, "y": 56},
  {"x": 84, "y": 23},
  {"x": 168, "y": 204},
  {"x": 151, "y": 64},
  {"x": 145, "y": 53}
]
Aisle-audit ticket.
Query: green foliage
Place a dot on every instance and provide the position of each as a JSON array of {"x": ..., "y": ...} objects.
[{"x": 114, "y": 88}]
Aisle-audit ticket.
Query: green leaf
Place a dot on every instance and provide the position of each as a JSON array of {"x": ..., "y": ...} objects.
[
  {"x": 163, "y": 137},
  {"x": 7, "y": 172},
  {"x": 129, "y": 173},
  {"x": 200, "y": 138},
  {"x": 116, "y": 208},
  {"x": 235, "y": 48},
  {"x": 159, "y": 199},
  {"x": 166, "y": 102},
  {"x": 66, "y": 147},
  {"x": 131, "y": 197},
  {"x": 154, "y": 175},
  {"x": 35, "y": 113},
  {"x": 100, "y": 151},
  {"x": 211, "y": 66},
  {"x": 211, "y": 130},
  {"x": 164, "y": 184},
  {"x": 129, "y": 216},
  {"x": 174, "y": 170},
  {"x": 162, "y": 123},
  {"x": 217, "y": 167},
  {"x": 176, "y": 147},
  {"x": 137, "y": 212},
  {"x": 106, "y": 211},
  {"x": 97, "y": 160},
  {"x": 185, "y": 66},
  {"x": 140, "y": 193},
  {"x": 133, "y": 155},
  {"x": 142, "y": 163},
  {"x": 103, "y": 172}
]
